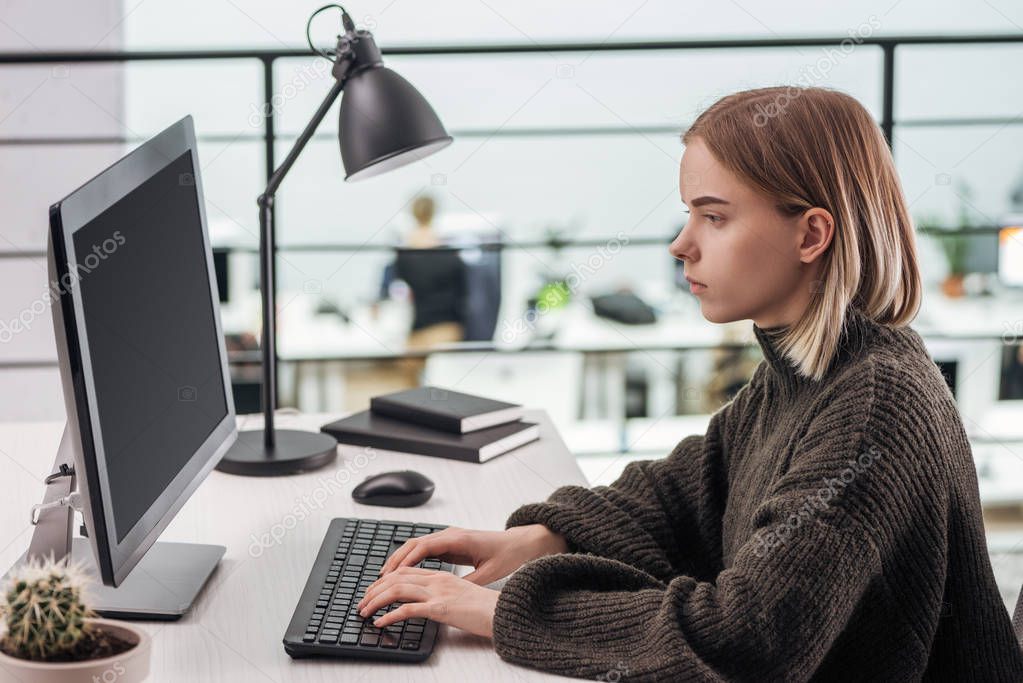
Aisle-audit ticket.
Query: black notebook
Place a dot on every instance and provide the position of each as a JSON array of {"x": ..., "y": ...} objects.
[
  {"x": 451, "y": 411},
  {"x": 378, "y": 431}
]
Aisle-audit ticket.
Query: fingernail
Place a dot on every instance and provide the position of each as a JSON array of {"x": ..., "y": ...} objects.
[{"x": 376, "y": 622}]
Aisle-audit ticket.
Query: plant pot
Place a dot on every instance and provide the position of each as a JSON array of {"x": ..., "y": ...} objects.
[
  {"x": 131, "y": 666},
  {"x": 952, "y": 286}
]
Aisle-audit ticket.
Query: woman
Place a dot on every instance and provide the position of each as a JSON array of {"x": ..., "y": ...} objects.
[
  {"x": 436, "y": 277},
  {"x": 827, "y": 526}
]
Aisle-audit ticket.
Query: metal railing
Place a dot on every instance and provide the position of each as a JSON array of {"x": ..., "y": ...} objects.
[{"x": 267, "y": 57}]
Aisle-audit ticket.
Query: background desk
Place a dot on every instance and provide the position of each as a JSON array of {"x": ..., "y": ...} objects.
[{"x": 234, "y": 631}]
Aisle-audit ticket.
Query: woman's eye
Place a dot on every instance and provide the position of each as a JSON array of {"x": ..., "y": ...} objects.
[{"x": 712, "y": 218}]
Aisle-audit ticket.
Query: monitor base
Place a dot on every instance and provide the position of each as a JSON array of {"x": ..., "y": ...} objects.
[
  {"x": 294, "y": 451},
  {"x": 163, "y": 586}
]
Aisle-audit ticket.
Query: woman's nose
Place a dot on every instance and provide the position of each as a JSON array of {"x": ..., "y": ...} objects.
[{"x": 681, "y": 247}]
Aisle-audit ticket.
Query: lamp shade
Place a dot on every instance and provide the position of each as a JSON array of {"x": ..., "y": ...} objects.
[{"x": 385, "y": 123}]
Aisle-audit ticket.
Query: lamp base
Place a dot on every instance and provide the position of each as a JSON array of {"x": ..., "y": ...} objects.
[{"x": 293, "y": 452}]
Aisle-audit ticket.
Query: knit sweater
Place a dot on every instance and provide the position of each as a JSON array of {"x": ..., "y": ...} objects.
[{"x": 823, "y": 530}]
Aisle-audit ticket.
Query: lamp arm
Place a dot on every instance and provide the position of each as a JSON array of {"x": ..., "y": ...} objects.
[
  {"x": 278, "y": 175},
  {"x": 267, "y": 284}
]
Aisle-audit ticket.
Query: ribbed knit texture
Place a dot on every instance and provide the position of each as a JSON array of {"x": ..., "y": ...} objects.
[{"x": 825, "y": 531}]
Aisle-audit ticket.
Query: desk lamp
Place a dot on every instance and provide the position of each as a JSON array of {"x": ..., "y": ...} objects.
[{"x": 385, "y": 123}]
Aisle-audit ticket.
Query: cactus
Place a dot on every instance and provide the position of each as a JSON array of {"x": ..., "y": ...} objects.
[{"x": 44, "y": 612}]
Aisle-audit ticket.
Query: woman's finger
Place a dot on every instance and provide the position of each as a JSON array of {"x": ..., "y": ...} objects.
[
  {"x": 399, "y": 592},
  {"x": 481, "y": 576},
  {"x": 430, "y": 544},
  {"x": 423, "y": 551},
  {"x": 409, "y": 610},
  {"x": 444, "y": 543},
  {"x": 404, "y": 574},
  {"x": 403, "y": 550}
]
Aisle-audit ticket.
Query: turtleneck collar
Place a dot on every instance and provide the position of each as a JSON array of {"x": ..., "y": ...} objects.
[{"x": 857, "y": 331}]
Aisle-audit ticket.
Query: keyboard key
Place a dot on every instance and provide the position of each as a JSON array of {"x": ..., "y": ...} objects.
[
  {"x": 349, "y": 639},
  {"x": 409, "y": 645},
  {"x": 389, "y": 640},
  {"x": 369, "y": 640}
]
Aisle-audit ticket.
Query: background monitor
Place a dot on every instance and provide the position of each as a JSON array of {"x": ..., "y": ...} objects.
[{"x": 1010, "y": 256}]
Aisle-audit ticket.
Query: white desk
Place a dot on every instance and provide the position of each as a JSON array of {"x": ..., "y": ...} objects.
[{"x": 234, "y": 631}]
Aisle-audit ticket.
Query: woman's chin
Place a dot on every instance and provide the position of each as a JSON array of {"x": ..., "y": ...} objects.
[{"x": 714, "y": 315}]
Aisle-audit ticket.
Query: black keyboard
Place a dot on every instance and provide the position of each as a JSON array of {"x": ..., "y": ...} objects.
[{"x": 327, "y": 621}]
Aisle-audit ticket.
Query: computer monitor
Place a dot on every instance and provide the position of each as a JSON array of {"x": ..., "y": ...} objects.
[
  {"x": 1010, "y": 255},
  {"x": 981, "y": 253},
  {"x": 144, "y": 372}
]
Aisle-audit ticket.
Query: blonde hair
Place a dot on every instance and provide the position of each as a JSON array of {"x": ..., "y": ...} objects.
[
  {"x": 422, "y": 209},
  {"x": 815, "y": 147}
]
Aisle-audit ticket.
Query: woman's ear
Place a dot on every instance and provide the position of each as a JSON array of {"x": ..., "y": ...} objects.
[{"x": 817, "y": 228}]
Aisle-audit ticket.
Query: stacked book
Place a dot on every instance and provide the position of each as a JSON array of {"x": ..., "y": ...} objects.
[{"x": 438, "y": 422}]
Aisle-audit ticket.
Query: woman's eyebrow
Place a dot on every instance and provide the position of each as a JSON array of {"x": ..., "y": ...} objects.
[{"x": 707, "y": 199}]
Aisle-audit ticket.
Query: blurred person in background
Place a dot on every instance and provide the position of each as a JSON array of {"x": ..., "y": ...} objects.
[{"x": 436, "y": 278}]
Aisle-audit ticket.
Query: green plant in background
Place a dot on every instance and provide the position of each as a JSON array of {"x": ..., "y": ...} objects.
[
  {"x": 553, "y": 295},
  {"x": 44, "y": 611},
  {"x": 954, "y": 246},
  {"x": 953, "y": 241}
]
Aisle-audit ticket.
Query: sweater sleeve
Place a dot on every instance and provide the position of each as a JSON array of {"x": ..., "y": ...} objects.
[
  {"x": 662, "y": 516},
  {"x": 773, "y": 614}
]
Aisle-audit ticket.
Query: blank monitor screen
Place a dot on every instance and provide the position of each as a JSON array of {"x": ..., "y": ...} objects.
[{"x": 151, "y": 329}]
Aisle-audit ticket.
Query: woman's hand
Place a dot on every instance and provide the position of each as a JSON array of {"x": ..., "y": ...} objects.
[
  {"x": 436, "y": 595},
  {"x": 494, "y": 554}
]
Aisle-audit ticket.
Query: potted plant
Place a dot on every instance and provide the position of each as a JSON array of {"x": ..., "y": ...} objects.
[
  {"x": 954, "y": 245},
  {"x": 51, "y": 635}
]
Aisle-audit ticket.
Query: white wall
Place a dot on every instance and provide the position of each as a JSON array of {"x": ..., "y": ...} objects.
[{"x": 46, "y": 101}]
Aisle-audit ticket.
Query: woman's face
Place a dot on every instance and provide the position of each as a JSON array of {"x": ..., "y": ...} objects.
[{"x": 756, "y": 263}]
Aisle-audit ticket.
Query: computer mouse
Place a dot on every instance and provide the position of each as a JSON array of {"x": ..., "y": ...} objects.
[{"x": 403, "y": 489}]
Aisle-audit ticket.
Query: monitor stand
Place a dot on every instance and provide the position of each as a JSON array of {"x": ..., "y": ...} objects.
[{"x": 163, "y": 585}]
